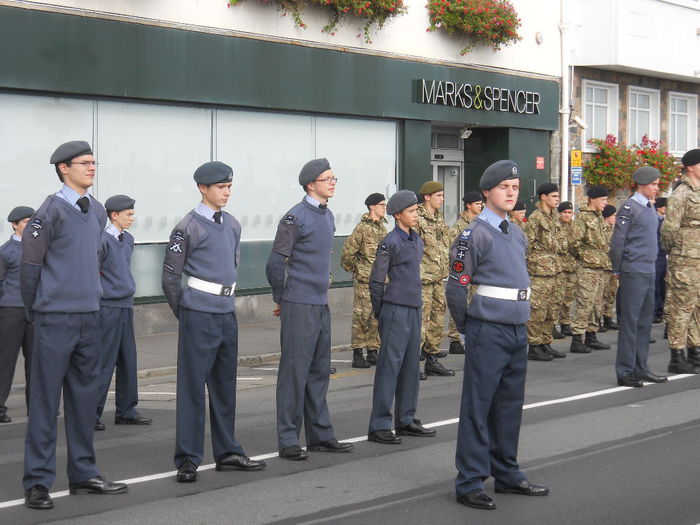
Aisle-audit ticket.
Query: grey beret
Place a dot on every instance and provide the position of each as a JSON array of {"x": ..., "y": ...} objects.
[
  {"x": 19, "y": 213},
  {"x": 691, "y": 158},
  {"x": 546, "y": 188},
  {"x": 69, "y": 151},
  {"x": 119, "y": 203},
  {"x": 645, "y": 175},
  {"x": 401, "y": 200},
  {"x": 609, "y": 210},
  {"x": 498, "y": 172},
  {"x": 566, "y": 205},
  {"x": 471, "y": 197},
  {"x": 597, "y": 191},
  {"x": 374, "y": 198},
  {"x": 213, "y": 173},
  {"x": 313, "y": 169},
  {"x": 660, "y": 202}
]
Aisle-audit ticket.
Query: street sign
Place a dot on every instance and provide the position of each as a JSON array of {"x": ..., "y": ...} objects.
[
  {"x": 576, "y": 174},
  {"x": 576, "y": 158}
]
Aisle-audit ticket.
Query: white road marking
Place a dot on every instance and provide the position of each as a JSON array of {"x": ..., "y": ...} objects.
[
  {"x": 341, "y": 360},
  {"x": 444, "y": 422}
]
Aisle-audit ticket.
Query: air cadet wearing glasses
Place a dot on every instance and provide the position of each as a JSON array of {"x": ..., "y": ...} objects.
[
  {"x": 298, "y": 271},
  {"x": 15, "y": 330},
  {"x": 61, "y": 290},
  {"x": 205, "y": 246},
  {"x": 491, "y": 254}
]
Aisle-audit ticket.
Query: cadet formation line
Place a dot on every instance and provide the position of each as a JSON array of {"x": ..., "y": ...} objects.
[{"x": 66, "y": 297}]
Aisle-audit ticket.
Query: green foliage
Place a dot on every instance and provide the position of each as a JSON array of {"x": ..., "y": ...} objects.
[{"x": 491, "y": 22}]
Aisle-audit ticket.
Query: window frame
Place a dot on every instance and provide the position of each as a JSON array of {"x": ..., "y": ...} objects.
[
  {"x": 654, "y": 113},
  {"x": 692, "y": 128},
  {"x": 613, "y": 104}
]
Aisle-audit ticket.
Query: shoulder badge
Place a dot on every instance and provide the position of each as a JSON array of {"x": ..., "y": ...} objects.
[
  {"x": 458, "y": 266},
  {"x": 466, "y": 234},
  {"x": 464, "y": 280},
  {"x": 289, "y": 219},
  {"x": 383, "y": 249},
  {"x": 626, "y": 206}
]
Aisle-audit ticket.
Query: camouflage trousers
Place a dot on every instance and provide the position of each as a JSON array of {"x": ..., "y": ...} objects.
[
  {"x": 365, "y": 333},
  {"x": 682, "y": 309},
  {"x": 433, "y": 316},
  {"x": 590, "y": 283},
  {"x": 566, "y": 286},
  {"x": 543, "y": 309},
  {"x": 609, "y": 294}
]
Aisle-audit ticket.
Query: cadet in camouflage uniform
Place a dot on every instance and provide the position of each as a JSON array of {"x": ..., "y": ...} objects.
[
  {"x": 473, "y": 204},
  {"x": 680, "y": 236},
  {"x": 566, "y": 279},
  {"x": 543, "y": 267},
  {"x": 359, "y": 252},
  {"x": 611, "y": 281},
  {"x": 433, "y": 269},
  {"x": 517, "y": 215},
  {"x": 590, "y": 244}
]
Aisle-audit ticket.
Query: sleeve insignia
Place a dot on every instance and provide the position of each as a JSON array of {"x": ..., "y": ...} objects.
[
  {"x": 175, "y": 247},
  {"x": 465, "y": 280},
  {"x": 466, "y": 234},
  {"x": 461, "y": 253},
  {"x": 178, "y": 236},
  {"x": 458, "y": 266},
  {"x": 383, "y": 249},
  {"x": 289, "y": 219},
  {"x": 168, "y": 267},
  {"x": 626, "y": 206},
  {"x": 36, "y": 224}
]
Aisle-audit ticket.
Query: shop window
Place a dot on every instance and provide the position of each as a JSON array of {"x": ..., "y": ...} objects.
[
  {"x": 600, "y": 102},
  {"x": 643, "y": 115},
  {"x": 682, "y": 122}
]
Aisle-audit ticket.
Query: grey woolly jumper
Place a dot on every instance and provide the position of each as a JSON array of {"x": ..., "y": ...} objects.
[
  {"x": 10, "y": 256},
  {"x": 118, "y": 286},
  {"x": 634, "y": 245}
]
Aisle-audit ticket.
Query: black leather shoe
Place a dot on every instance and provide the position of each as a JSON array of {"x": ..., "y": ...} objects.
[
  {"x": 332, "y": 370},
  {"x": 187, "y": 472},
  {"x": 477, "y": 499},
  {"x": 630, "y": 380},
  {"x": 238, "y": 462},
  {"x": 652, "y": 377},
  {"x": 537, "y": 353},
  {"x": 4, "y": 418},
  {"x": 525, "y": 488},
  {"x": 415, "y": 429},
  {"x": 99, "y": 424},
  {"x": 98, "y": 485},
  {"x": 38, "y": 498},
  {"x": 456, "y": 347},
  {"x": 422, "y": 376},
  {"x": 293, "y": 453},
  {"x": 138, "y": 419},
  {"x": 556, "y": 354},
  {"x": 385, "y": 437},
  {"x": 332, "y": 445},
  {"x": 371, "y": 357}
]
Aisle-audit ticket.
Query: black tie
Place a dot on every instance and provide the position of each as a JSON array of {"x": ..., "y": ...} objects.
[
  {"x": 217, "y": 217},
  {"x": 504, "y": 226},
  {"x": 84, "y": 204},
  {"x": 121, "y": 237},
  {"x": 648, "y": 204},
  {"x": 323, "y": 206}
]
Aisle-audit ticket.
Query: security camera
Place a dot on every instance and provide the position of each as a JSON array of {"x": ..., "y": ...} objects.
[
  {"x": 579, "y": 122},
  {"x": 465, "y": 133}
]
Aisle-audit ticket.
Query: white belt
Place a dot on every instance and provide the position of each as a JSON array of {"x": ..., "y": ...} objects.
[
  {"x": 509, "y": 294},
  {"x": 223, "y": 290}
]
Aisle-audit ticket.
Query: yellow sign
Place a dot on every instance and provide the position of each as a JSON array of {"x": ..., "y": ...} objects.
[{"x": 576, "y": 158}]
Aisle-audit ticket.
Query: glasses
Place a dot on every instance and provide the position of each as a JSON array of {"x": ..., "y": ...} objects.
[
  {"x": 328, "y": 180},
  {"x": 86, "y": 163}
]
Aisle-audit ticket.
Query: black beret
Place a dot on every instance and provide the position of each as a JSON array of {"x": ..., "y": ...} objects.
[
  {"x": 691, "y": 158},
  {"x": 660, "y": 202},
  {"x": 609, "y": 210},
  {"x": 498, "y": 172},
  {"x": 597, "y": 191},
  {"x": 119, "y": 203},
  {"x": 546, "y": 188},
  {"x": 472, "y": 196},
  {"x": 213, "y": 173},
  {"x": 519, "y": 206},
  {"x": 313, "y": 169},
  {"x": 401, "y": 200},
  {"x": 69, "y": 151},
  {"x": 19, "y": 213},
  {"x": 374, "y": 198},
  {"x": 566, "y": 205},
  {"x": 645, "y": 175}
]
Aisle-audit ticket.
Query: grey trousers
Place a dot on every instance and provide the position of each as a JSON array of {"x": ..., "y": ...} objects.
[{"x": 637, "y": 311}]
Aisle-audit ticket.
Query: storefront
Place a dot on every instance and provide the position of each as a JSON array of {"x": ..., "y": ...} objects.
[{"x": 158, "y": 101}]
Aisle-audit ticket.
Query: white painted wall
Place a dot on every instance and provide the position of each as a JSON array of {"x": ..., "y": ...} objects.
[
  {"x": 406, "y": 36},
  {"x": 646, "y": 35}
]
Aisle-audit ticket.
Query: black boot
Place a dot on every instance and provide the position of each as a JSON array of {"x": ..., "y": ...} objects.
[
  {"x": 602, "y": 325},
  {"x": 358, "y": 360},
  {"x": 556, "y": 354},
  {"x": 577, "y": 346},
  {"x": 371, "y": 357},
  {"x": 593, "y": 343},
  {"x": 612, "y": 325},
  {"x": 556, "y": 334},
  {"x": 679, "y": 365},
  {"x": 434, "y": 368},
  {"x": 4, "y": 418},
  {"x": 456, "y": 347},
  {"x": 537, "y": 353},
  {"x": 694, "y": 355},
  {"x": 566, "y": 330}
]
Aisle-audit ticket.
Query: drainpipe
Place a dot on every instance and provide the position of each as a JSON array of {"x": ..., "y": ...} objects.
[{"x": 565, "y": 108}]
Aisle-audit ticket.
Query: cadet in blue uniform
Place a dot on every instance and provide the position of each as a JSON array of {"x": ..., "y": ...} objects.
[
  {"x": 205, "y": 246},
  {"x": 15, "y": 330},
  {"x": 298, "y": 271},
  {"x": 397, "y": 305},
  {"x": 61, "y": 290},
  {"x": 117, "y": 341},
  {"x": 633, "y": 251},
  {"x": 661, "y": 263},
  {"x": 490, "y": 253}
]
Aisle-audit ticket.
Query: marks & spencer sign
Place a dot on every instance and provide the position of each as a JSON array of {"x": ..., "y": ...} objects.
[{"x": 479, "y": 97}]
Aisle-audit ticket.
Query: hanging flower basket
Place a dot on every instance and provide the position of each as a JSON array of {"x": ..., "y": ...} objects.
[
  {"x": 376, "y": 12},
  {"x": 490, "y": 22}
]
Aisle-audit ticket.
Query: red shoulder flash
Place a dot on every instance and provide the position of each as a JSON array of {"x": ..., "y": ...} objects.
[{"x": 465, "y": 279}]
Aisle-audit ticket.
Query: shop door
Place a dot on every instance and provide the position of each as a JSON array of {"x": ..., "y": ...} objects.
[{"x": 450, "y": 174}]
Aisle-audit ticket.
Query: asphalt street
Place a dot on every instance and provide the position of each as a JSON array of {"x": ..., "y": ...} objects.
[{"x": 609, "y": 455}]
